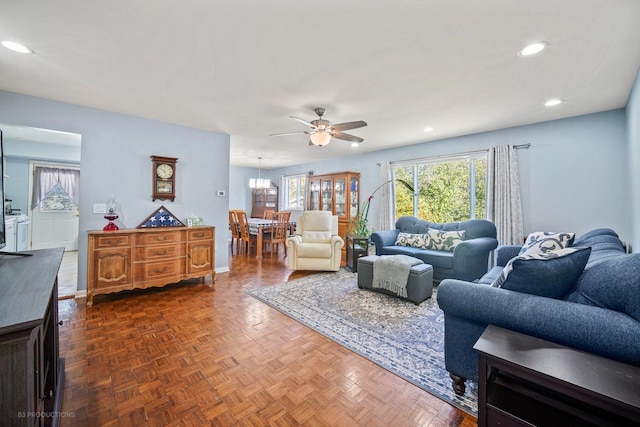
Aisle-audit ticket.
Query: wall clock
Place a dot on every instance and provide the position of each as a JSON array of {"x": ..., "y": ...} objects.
[{"x": 164, "y": 178}]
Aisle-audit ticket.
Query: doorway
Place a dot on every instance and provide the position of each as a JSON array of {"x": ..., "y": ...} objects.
[
  {"x": 54, "y": 206},
  {"x": 25, "y": 146}
]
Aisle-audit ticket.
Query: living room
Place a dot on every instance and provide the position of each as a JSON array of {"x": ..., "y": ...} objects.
[{"x": 579, "y": 173}]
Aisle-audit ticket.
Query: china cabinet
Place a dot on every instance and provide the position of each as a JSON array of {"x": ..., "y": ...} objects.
[
  {"x": 338, "y": 193},
  {"x": 263, "y": 199}
]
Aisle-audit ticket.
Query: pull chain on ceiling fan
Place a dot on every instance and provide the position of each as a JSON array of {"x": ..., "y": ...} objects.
[{"x": 321, "y": 131}]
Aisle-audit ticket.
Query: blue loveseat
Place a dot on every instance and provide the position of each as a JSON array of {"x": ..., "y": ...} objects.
[
  {"x": 600, "y": 312},
  {"x": 467, "y": 261}
]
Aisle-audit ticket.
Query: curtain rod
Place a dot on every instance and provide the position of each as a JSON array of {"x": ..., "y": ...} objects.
[{"x": 467, "y": 153}]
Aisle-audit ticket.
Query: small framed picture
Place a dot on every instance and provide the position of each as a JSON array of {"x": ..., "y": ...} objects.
[{"x": 189, "y": 222}]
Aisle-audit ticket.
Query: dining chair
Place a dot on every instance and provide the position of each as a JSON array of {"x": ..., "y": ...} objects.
[
  {"x": 278, "y": 232},
  {"x": 268, "y": 214},
  {"x": 245, "y": 236},
  {"x": 234, "y": 226}
]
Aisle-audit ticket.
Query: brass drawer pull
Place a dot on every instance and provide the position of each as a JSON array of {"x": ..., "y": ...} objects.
[
  {"x": 199, "y": 234},
  {"x": 159, "y": 239},
  {"x": 161, "y": 253},
  {"x": 112, "y": 242},
  {"x": 157, "y": 270}
]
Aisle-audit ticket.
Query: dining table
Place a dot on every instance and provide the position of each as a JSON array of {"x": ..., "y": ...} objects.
[{"x": 257, "y": 227}]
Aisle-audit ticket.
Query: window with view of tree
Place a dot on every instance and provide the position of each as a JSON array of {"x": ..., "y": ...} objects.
[
  {"x": 446, "y": 189},
  {"x": 294, "y": 192}
]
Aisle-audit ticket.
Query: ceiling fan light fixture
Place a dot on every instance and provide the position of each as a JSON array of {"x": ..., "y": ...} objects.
[{"x": 320, "y": 138}]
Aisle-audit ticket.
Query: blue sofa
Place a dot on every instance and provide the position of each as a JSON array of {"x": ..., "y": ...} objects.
[
  {"x": 468, "y": 261},
  {"x": 600, "y": 312}
]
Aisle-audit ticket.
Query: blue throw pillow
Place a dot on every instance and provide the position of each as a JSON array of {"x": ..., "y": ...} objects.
[
  {"x": 613, "y": 284},
  {"x": 551, "y": 274}
]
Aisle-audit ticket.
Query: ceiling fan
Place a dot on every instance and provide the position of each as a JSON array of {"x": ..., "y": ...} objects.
[{"x": 321, "y": 131}]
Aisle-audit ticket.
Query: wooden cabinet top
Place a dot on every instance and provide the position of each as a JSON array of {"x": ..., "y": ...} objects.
[
  {"x": 26, "y": 284},
  {"x": 333, "y": 175},
  {"x": 148, "y": 230}
]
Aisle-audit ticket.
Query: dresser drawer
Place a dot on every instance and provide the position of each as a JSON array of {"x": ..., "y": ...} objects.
[
  {"x": 159, "y": 237},
  {"x": 200, "y": 234},
  {"x": 155, "y": 270},
  {"x": 112, "y": 241},
  {"x": 146, "y": 253}
]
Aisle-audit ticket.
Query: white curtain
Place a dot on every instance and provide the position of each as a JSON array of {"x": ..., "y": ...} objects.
[
  {"x": 46, "y": 177},
  {"x": 503, "y": 194},
  {"x": 386, "y": 202}
]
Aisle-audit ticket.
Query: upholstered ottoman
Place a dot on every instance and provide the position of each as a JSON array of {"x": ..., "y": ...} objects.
[{"x": 419, "y": 284}]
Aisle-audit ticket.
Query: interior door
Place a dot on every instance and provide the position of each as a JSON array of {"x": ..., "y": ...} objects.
[
  {"x": 49, "y": 228},
  {"x": 54, "y": 230}
]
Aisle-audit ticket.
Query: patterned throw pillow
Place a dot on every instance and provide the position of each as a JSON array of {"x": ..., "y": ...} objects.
[
  {"x": 544, "y": 241},
  {"x": 550, "y": 274},
  {"x": 443, "y": 240},
  {"x": 413, "y": 240}
]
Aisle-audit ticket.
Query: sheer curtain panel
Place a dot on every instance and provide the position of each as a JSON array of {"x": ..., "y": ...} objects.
[{"x": 503, "y": 194}]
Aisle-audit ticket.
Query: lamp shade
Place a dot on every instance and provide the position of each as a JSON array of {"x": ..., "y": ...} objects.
[{"x": 320, "y": 138}]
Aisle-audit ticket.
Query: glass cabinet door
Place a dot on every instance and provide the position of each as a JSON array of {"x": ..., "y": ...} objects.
[
  {"x": 314, "y": 195},
  {"x": 353, "y": 197},
  {"x": 341, "y": 196},
  {"x": 327, "y": 201}
]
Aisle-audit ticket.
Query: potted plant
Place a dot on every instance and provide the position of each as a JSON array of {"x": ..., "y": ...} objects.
[{"x": 360, "y": 225}]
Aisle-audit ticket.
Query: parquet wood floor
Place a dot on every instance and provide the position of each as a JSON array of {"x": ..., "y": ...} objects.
[{"x": 194, "y": 355}]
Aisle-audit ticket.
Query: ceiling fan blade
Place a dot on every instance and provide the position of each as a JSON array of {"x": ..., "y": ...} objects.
[
  {"x": 304, "y": 122},
  {"x": 346, "y": 137},
  {"x": 288, "y": 133},
  {"x": 349, "y": 125}
]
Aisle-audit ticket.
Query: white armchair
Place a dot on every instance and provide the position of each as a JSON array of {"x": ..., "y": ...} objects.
[{"x": 316, "y": 245}]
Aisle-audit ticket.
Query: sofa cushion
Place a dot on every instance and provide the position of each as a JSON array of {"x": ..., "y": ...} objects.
[
  {"x": 443, "y": 240},
  {"x": 551, "y": 274},
  {"x": 613, "y": 284},
  {"x": 435, "y": 239},
  {"x": 544, "y": 241},
  {"x": 441, "y": 259},
  {"x": 412, "y": 240}
]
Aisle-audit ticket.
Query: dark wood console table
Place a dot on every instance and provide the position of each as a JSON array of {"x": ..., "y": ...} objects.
[
  {"x": 526, "y": 381},
  {"x": 31, "y": 370}
]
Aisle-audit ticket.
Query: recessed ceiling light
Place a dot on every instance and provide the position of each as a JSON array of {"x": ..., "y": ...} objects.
[
  {"x": 532, "y": 49},
  {"x": 355, "y": 144},
  {"x": 16, "y": 47},
  {"x": 428, "y": 129},
  {"x": 553, "y": 102}
]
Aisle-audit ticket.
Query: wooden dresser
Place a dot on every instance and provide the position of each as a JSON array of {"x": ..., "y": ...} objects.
[
  {"x": 31, "y": 370},
  {"x": 141, "y": 258}
]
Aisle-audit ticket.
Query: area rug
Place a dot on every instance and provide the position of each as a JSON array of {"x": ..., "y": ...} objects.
[{"x": 404, "y": 338}]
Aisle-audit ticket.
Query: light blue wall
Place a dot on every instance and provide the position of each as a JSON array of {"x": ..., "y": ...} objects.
[
  {"x": 17, "y": 184},
  {"x": 633, "y": 132},
  {"x": 115, "y": 159},
  {"x": 574, "y": 177}
]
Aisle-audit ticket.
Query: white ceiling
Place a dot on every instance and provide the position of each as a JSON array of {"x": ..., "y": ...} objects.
[{"x": 243, "y": 67}]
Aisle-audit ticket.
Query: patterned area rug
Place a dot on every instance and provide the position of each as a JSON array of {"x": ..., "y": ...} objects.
[{"x": 404, "y": 338}]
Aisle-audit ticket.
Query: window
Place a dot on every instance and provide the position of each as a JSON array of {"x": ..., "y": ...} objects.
[
  {"x": 447, "y": 189},
  {"x": 294, "y": 188}
]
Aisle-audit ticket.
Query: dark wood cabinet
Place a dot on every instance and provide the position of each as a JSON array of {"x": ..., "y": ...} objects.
[
  {"x": 263, "y": 199},
  {"x": 31, "y": 370},
  {"x": 526, "y": 381}
]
